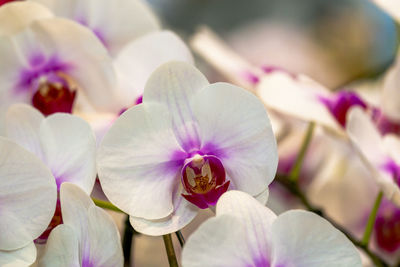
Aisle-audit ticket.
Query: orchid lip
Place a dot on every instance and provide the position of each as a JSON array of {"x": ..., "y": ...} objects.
[{"x": 203, "y": 177}]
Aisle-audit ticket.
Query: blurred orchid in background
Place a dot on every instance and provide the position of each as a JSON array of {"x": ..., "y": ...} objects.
[{"x": 174, "y": 136}]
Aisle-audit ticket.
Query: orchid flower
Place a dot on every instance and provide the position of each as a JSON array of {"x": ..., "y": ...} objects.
[
  {"x": 87, "y": 237},
  {"x": 381, "y": 154},
  {"x": 185, "y": 145},
  {"x": 44, "y": 61},
  {"x": 246, "y": 233},
  {"x": 135, "y": 48},
  {"x": 115, "y": 23},
  {"x": 64, "y": 143},
  {"x": 28, "y": 198}
]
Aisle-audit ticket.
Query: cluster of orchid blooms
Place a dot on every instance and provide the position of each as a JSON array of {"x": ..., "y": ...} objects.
[{"x": 95, "y": 89}]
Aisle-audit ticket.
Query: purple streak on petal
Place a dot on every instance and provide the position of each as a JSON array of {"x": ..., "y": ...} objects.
[
  {"x": 384, "y": 124},
  {"x": 261, "y": 262},
  {"x": 341, "y": 103},
  {"x": 87, "y": 262},
  {"x": 250, "y": 77},
  {"x": 387, "y": 227},
  {"x": 99, "y": 34},
  {"x": 393, "y": 169},
  {"x": 270, "y": 69},
  {"x": 41, "y": 67},
  {"x": 139, "y": 100}
]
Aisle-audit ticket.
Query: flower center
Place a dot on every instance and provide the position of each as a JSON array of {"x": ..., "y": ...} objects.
[
  {"x": 341, "y": 103},
  {"x": 203, "y": 178},
  {"x": 53, "y": 97}
]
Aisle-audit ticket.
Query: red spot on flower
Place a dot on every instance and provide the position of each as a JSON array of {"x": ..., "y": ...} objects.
[{"x": 51, "y": 98}]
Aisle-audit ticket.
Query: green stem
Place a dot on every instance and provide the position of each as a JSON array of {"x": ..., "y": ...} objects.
[
  {"x": 180, "y": 237},
  {"x": 169, "y": 248},
  {"x": 295, "y": 172},
  {"x": 371, "y": 220},
  {"x": 105, "y": 205}
]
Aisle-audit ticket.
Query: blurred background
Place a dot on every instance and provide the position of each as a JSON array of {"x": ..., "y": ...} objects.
[{"x": 334, "y": 42}]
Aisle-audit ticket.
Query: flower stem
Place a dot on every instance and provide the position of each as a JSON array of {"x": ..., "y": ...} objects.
[
  {"x": 371, "y": 220},
  {"x": 295, "y": 171},
  {"x": 169, "y": 248},
  {"x": 180, "y": 238},
  {"x": 105, "y": 205}
]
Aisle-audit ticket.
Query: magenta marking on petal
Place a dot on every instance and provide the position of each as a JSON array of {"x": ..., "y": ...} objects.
[
  {"x": 384, "y": 124},
  {"x": 41, "y": 67},
  {"x": 340, "y": 104},
  {"x": 99, "y": 34},
  {"x": 139, "y": 100},
  {"x": 393, "y": 169},
  {"x": 270, "y": 69},
  {"x": 387, "y": 227},
  {"x": 250, "y": 77}
]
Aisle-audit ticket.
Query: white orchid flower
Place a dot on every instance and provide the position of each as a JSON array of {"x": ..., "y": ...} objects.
[
  {"x": 87, "y": 237},
  {"x": 64, "y": 143},
  {"x": 246, "y": 233},
  {"x": 28, "y": 198},
  {"x": 381, "y": 154},
  {"x": 45, "y": 60},
  {"x": 185, "y": 144}
]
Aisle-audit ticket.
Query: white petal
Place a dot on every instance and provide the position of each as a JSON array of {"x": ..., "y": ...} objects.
[
  {"x": 256, "y": 218},
  {"x": 240, "y": 135},
  {"x": 62, "y": 248},
  {"x": 104, "y": 238},
  {"x": 28, "y": 196},
  {"x": 138, "y": 59},
  {"x": 391, "y": 143},
  {"x": 184, "y": 212},
  {"x": 23, "y": 126},
  {"x": 218, "y": 242},
  {"x": 137, "y": 162},
  {"x": 365, "y": 136},
  {"x": 368, "y": 142},
  {"x": 64, "y": 142},
  {"x": 304, "y": 239},
  {"x": 238, "y": 236},
  {"x": 106, "y": 17},
  {"x": 174, "y": 84},
  {"x": 18, "y": 258},
  {"x": 69, "y": 148},
  {"x": 97, "y": 234},
  {"x": 15, "y": 16},
  {"x": 296, "y": 97}
]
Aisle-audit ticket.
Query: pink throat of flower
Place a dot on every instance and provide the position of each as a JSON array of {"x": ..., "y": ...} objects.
[
  {"x": 53, "y": 97},
  {"x": 203, "y": 178}
]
